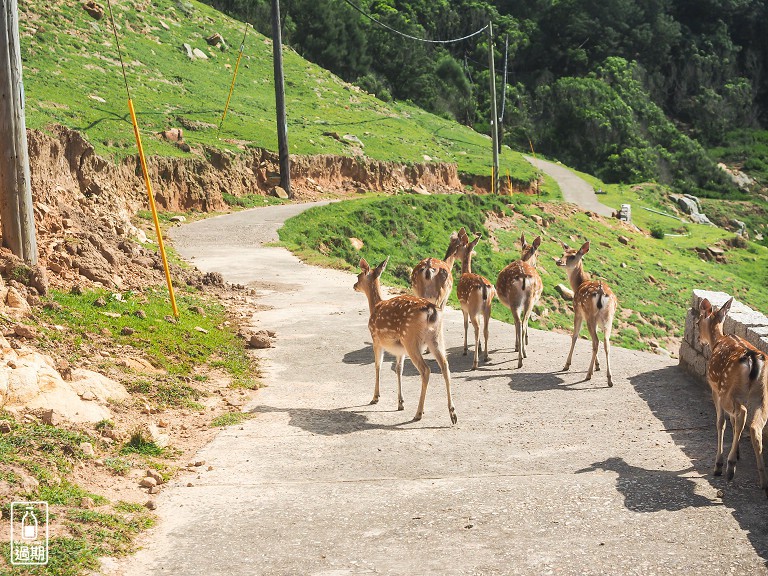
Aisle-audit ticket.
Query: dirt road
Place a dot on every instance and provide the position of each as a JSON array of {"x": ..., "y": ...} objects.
[
  {"x": 543, "y": 474},
  {"x": 575, "y": 190}
]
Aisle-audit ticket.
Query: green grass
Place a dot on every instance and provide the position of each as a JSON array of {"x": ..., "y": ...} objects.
[
  {"x": 71, "y": 64},
  {"x": 175, "y": 346},
  {"x": 655, "y": 284},
  {"x": 231, "y": 418}
]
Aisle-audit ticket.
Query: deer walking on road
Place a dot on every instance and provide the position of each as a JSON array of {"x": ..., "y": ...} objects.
[
  {"x": 594, "y": 302},
  {"x": 519, "y": 287},
  {"x": 475, "y": 295},
  {"x": 432, "y": 278},
  {"x": 402, "y": 326},
  {"x": 739, "y": 381}
]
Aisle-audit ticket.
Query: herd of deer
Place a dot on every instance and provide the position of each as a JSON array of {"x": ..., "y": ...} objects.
[{"x": 406, "y": 325}]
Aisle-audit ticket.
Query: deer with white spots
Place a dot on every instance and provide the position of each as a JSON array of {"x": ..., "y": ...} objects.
[
  {"x": 403, "y": 326},
  {"x": 594, "y": 302},
  {"x": 475, "y": 295},
  {"x": 739, "y": 381},
  {"x": 519, "y": 287},
  {"x": 432, "y": 278}
]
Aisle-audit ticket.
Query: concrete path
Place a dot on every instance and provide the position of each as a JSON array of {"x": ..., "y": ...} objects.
[
  {"x": 575, "y": 190},
  {"x": 543, "y": 474}
]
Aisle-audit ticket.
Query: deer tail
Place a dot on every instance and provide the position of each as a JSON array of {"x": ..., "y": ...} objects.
[
  {"x": 757, "y": 360},
  {"x": 432, "y": 313},
  {"x": 600, "y": 296}
]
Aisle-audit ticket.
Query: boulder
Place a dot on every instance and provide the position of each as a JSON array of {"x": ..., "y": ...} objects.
[{"x": 279, "y": 192}]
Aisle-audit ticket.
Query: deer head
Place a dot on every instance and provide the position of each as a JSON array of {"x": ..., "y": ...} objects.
[
  {"x": 710, "y": 321},
  {"x": 529, "y": 250},
  {"x": 571, "y": 259}
]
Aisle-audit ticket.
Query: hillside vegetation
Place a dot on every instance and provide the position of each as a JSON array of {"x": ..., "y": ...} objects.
[
  {"x": 72, "y": 77},
  {"x": 653, "y": 286}
]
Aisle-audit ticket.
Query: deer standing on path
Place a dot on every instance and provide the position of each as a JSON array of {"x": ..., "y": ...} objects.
[
  {"x": 594, "y": 302},
  {"x": 739, "y": 381},
  {"x": 432, "y": 278},
  {"x": 475, "y": 295},
  {"x": 402, "y": 326},
  {"x": 519, "y": 287}
]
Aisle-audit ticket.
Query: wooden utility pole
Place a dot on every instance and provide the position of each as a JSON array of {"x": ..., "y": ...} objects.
[
  {"x": 282, "y": 122},
  {"x": 503, "y": 94},
  {"x": 18, "y": 220},
  {"x": 494, "y": 113}
]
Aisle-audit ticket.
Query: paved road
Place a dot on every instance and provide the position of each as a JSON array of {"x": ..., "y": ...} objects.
[
  {"x": 544, "y": 473},
  {"x": 575, "y": 190}
]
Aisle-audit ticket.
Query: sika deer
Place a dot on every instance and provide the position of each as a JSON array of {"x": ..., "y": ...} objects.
[
  {"x": 594, "y": 302},
  {"x": 739, "y": 381},
  {"x": 519, "y": 287},
  {"x": 432, "y": 278},
  {"x": 475, "y": 295},
  {"x": 402, "y": 326}
]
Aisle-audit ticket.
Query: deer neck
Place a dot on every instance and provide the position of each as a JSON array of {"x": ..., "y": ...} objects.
[
  {"x": 466, "y": 264},
  {"x": 374, "y": 295},
  {"x": 577, "y": 277},
  {"x": 449, "y": 261}
]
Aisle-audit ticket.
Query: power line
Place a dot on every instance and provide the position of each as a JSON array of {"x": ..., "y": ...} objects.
[{"x": 403, "y": 34}]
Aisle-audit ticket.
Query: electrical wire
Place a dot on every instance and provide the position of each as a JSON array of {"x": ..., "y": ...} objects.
[{"x": 404, "y": 35}]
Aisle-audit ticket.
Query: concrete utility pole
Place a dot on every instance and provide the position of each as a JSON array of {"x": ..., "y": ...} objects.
[
  {"x": 282, "y": 122},
  {"x": 15, "y": 189},
  {"x": 494, "y": 113}
]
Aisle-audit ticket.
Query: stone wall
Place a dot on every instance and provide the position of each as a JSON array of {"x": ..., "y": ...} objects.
[{"x": 741, "y": 321}]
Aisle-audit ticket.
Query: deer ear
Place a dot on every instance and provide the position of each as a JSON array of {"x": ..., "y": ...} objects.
[
  {"x": 364, "y": 265},
  {"x": 522, "y": 239},
  {"x": 705, "y": 307},
  {"x": 721, "y": 314},
  {"x": 585, "y": 248},
  {"x": 537, "y": 242},
  {"x": 380, "y": 268},
  {"x": 564, "y": 245}
]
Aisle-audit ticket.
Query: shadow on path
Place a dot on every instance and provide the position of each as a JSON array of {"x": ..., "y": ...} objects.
[
  {"x": 338, "y": 421},
  {"x": 652, "y": 490},
  {"x": 685, "y": 408}
]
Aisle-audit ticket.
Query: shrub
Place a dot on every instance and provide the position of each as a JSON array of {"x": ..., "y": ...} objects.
[{"x": 657, "y": 231}]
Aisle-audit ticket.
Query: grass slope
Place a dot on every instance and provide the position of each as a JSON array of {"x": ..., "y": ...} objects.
[
  {"x": 72, "y": 77},
  {"x": 653, "y": 288}
]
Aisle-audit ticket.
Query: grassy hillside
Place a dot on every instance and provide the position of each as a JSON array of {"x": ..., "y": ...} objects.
[
  {"x": 653, "y": 288},
  {"x": 72, "y": 77}
]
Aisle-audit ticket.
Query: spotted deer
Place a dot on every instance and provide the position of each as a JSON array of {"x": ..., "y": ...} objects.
[
  {"x": 739, "y": 381},
  {"x": 432, "y": 278},
  {"x": 475, "y": 295},
  {"x": 402, "y": 326},
  {"x": 594, "y": 302},
  {"x": 519, "y": 287}
]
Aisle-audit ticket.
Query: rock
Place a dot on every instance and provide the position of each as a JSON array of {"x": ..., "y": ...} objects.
[
  {"x": 88, "y": 396},
  {"x": 148, "y": 482},
  {"x": 51, "y": 417},
  {"x": 93, "y": 9},
  {"x": 140, "y": 314},
  {"x": 188, "y": 50},
  {"x": 538, "y": 219},
  {"x": 127, "y": 331},
  {"x": 199, "y": 54},
  {"x": 28, "y": 484},
  {"x": 151, "y": 473},
  {"x": 623, "y": 264},
  {"x": 87, "y": 503},
  {"x": 201, "y": 330},
  {"x": 164, "y": 25},
  {"x": 189, "y": 484},
  {"x": 215, "y": 39},
  {"x": 24, "y": 331},
  {"x": 100, "y": 302},
  {"x": 357, "y": 244},
  {"x": 5, "y": 426},
  {"x": 715, "y": 251},
  {"x": 199, "y": 462},
  {"x": 260, "y": 341},
  {"x": 173, "y": 134},
  {"x": 564, "y": 291},
  {"x": 197, "y": 310},
  {"x": 160, "y": 439},
  {"x": 178, "y": 219},
  {"x": 87, "y": 449},
  {"x": 150, "y": 505},
  {"x": 352, "y": 139},
  {"x": 18, "y": 304},
  {"x": 623, "y": 240},
  {"x": 279, "y": 192}
]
